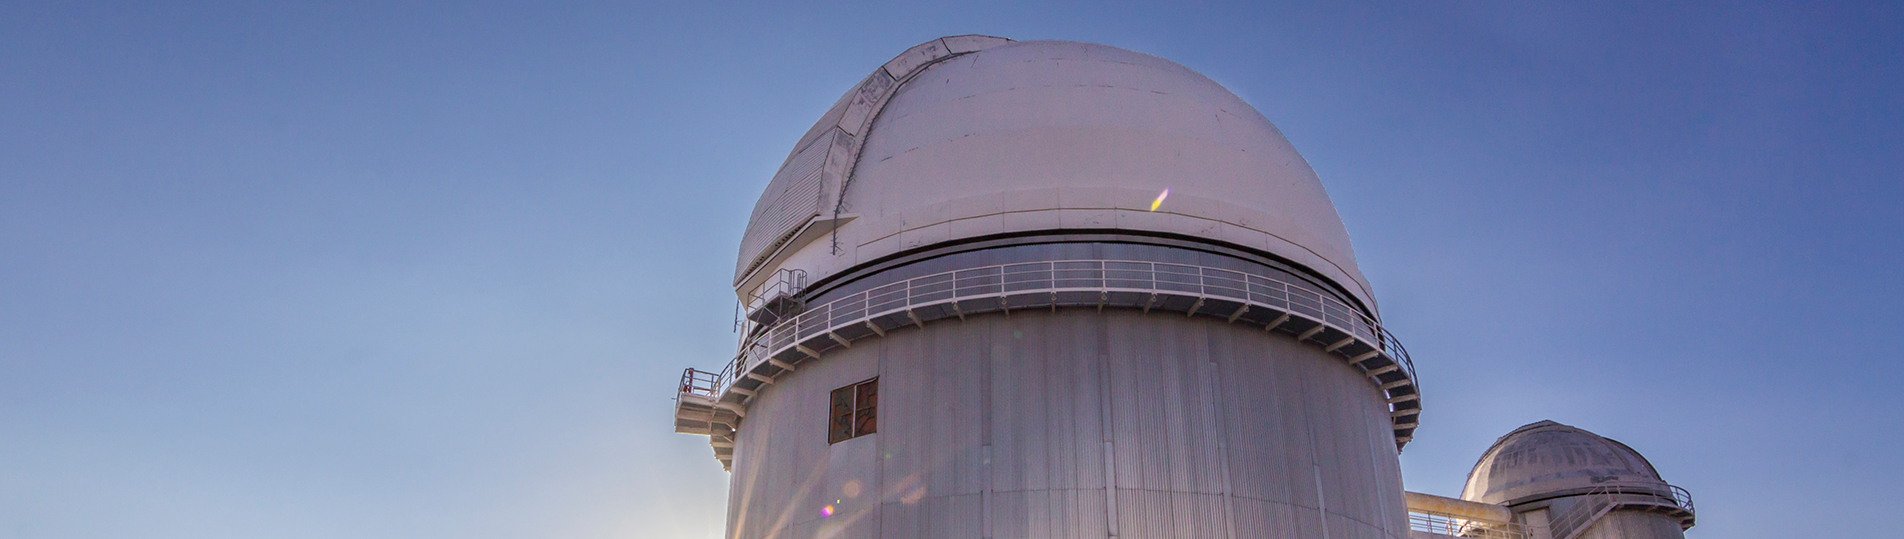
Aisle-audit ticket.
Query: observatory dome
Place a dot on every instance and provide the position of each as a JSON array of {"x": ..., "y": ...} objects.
[
  {"x": 973, "y": 137},
  {"x": 952, "y": 299},
  {"x": 1546, "y": 459}
]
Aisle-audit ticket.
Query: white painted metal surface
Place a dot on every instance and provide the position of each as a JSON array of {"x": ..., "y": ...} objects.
[
  {"x": 1060, "y": 398},
  {"x": 1547, "y": 459},
  {"x": 1589, "y": 486},
  {"x": 1020, "y": 425},
  {"x": 1624, "y": 509},
  {"x": 1042, "y": 135},
  {"x": 1331, "y": 325},
  {"x": 1634, "y": 525},
  {"x": 1456, "y": 508},
  {"x": 812, "y": 178}
]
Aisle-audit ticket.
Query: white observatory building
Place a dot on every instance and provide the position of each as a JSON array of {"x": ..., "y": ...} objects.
[
  {"x": 1051, "y": 289},
  {"x": 1578, "y": 484}
]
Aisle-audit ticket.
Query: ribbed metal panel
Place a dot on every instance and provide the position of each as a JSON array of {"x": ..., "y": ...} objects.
[
  {"x": 1054, "y": 514},
  {"x": 998, "y": 427},
  {"x": 1635, "y": 525},
  {"x": 793, "y": 198}
]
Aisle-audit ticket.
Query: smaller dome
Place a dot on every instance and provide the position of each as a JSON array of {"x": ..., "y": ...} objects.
[{"x": 1547, "y": 460}]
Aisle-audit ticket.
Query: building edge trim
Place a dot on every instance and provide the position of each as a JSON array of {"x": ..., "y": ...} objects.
[{"x": 869, "y": 98}]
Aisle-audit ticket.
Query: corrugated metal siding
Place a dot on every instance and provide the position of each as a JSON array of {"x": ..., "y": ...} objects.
[
  {"x": 791, "y": 199},
  {"x": 1634, "y": 525},
  {"x": 996, "y": 427}
]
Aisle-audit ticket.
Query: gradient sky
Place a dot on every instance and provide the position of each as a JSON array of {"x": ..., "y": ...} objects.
[{"x": 413, "y": 272}]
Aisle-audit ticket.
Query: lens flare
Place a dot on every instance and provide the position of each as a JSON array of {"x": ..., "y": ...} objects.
[
  {"x": 826, "y": 511},
  {"x": 1160, "y": 200}
]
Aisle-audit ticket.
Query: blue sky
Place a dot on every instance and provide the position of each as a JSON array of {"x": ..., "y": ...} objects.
[{"x": 415, "y": 271}]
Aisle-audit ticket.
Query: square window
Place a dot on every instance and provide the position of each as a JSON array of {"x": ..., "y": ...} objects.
[
  {"x": 840, "y": 423},
  {"x": 853, "y": 411}
]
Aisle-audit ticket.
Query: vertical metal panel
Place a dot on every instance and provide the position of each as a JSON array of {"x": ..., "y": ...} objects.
[
  {"x": 1213, "y": 426},
  {"x": 901, "y": 519},
  {"x": 1634, "y": 525},
  {"x": 953, "y": 516},
  {"x": 792, "y": 198}
]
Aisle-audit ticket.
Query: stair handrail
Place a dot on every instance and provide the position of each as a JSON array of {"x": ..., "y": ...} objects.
[
  {"x": 1584, "y": 513},
  {"x": 1600, "y": 500}
]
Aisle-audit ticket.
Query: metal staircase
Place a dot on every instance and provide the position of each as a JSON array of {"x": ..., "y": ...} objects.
[{"x": 1595, "y": 504}]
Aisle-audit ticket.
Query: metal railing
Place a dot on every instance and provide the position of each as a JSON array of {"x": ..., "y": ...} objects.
[
  {"x": 702, "y": 383},
  {"x": 1057, "y": 277},
  {"x": 1602, "y": 499},
  {"x": 1456, "y": 526},
  {"x": 782, "y": 285},
  {"x": 1681, "y": 498}
]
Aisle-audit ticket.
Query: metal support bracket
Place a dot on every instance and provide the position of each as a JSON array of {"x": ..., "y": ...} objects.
[
  {"x": 1239, "y": 313},
  {"x": 1357, "y": 360},
  {"x": 1312, "y": 332},
  {"x": 1278, "y": 322},
  {"x": 787, "y": 366},
  {"x": 803, "y": 349}
]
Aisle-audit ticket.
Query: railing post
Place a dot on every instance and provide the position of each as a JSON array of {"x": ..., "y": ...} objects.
[{"x": 787, "y": 331}]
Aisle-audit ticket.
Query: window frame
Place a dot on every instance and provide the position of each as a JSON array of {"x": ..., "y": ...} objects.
[{"x": 852, "y": 411}]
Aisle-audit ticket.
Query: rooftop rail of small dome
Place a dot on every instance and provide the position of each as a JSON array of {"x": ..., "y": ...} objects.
[
  {"x": 1195, "y": 290},
  {"x": 1608, "y": 497}
]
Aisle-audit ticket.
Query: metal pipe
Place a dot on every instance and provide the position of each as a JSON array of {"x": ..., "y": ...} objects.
[{"x": 1430, "y": 503}]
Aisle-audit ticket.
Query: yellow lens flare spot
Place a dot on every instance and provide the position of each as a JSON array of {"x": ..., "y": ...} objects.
[
  {"x": 1160, "y": 200},
  {"x": 826, "y": 511}
]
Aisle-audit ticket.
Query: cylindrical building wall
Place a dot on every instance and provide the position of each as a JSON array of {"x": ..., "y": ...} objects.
[
  {"x": 1635, "y": 525},
  {"x": 1580, "y": 484},
  {"x": 1001, "y": 425},
  {"x": 1092, "y": 294}
]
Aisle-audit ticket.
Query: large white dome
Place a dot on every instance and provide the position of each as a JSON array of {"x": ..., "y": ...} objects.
[{"x": 970, "y": 137}]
